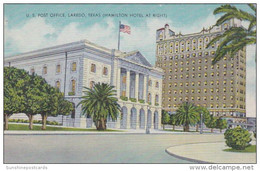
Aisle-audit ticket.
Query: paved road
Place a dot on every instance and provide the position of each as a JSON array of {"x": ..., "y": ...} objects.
[{"x": 123, "y": 148}]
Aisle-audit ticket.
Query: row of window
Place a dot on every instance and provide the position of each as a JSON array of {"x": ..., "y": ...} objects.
[
  {"x": 165, "y": 48},
  {"x": 93, "y": 69},
  {"x": 199, "y": 98},
  {"x": 73, "y": 69},
  {"x": 211, "y": 106},
  {"x": 205, "y": 90},
  {"x": 72, "y": 85},
  {"x": 150, "y": 82},
  {"x": 58, "y": 68},
  {"x": 199, "y": 83},
  {"x": 181, "y": 76}
]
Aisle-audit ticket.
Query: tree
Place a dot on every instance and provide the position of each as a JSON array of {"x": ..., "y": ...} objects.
[
  {"x": 205, "y": 115},
  {"x": 211, "y": 123},
  {"x": 186, "y": 115},
  {"x": 237, "y": 138},
  {"x": 235, "y": 38},
  {"x": 165, "y": 118},
  {"x": 33, "y": 96},
  {"x": 173, "y": 121},
  {"x": 53, "y": 103},
  {"x": 221, "y": 124},
  {"x": 13, "y": 83},
  {"x": 99, "y": 103}
]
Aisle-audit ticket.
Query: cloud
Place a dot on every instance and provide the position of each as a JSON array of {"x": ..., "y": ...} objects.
[{"x": 32, "y": 35}]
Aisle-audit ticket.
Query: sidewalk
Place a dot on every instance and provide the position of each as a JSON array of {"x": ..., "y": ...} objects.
[
  {"x": 210, "y": 153},
  {"x": 120, "y": 131}
]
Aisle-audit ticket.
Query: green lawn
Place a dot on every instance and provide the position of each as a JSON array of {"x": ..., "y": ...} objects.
[
  {"x": 249, "y": 149},
  {"x": 23, "y": 127}
]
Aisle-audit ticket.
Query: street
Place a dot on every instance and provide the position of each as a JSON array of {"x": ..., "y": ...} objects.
[{"x": 121, "y": 148}]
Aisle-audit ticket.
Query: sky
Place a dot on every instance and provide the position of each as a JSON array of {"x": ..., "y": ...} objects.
[{"x": 57, "y": 24}]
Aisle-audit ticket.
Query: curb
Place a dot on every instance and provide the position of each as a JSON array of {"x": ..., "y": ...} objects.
[{"x": 189, "y": 159}]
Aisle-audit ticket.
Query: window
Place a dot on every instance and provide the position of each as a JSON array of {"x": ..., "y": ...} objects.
[
  {"x": 105, "y": 71},
  {"x": 205, "y": 90},
  {"x": 206, "y": 67},
  {"x": 149, "y": 97},
  {"x": 73, "y": 86},
  {"x": 198, "y": 98},
  {"x": 45, "y": 70},
  {"x": 211, "y": 90},
  {"x": 212, "y": 74},
  {"x": 151, "y": 83},
  {"x": 199, "y": 83},
  {"x": 187, "y": 91},
  {"x": 211, "y": 82},
  {"x": 205, "y": 75},
  {"x": 93, "y": 68},
  {"x": 74, "y": 66},
  {"x": 58, "y": 68},
  {"x": 58, "y": 84},
  {"x": 205, "y": 83},
  {"x": 157, "y": 84},
  {"x": 198, "y": 90},
  {"x": 156, "y": 98},
  {"x": 217, "y": 90}
]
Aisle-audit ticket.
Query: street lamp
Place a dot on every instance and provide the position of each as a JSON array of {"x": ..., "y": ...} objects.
[{"x": 201, "y": 124}]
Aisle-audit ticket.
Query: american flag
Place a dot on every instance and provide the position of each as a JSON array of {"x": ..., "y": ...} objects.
[{"x": 125, "y": 28}]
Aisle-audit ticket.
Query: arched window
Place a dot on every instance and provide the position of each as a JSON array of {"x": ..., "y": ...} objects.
[
  {"x": 44, "y": 70},
  {"x": 93, "y": 68},
  {"x": 58, "y": 84},
  {"x": 73, "y": 86},
  {"x": 32, "y": 71},
  {"x": 156, "y": 98},
  {"x": 105, "y": 71}
]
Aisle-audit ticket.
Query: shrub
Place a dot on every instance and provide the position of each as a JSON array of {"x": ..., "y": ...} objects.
[
  {"x": 124, "y": 98},
  {"x": 71, "y": 93},
  {"x": 141, "y": 100},
  {"x": 133, "y": 99},
  {"x": 237, "y": 138}
]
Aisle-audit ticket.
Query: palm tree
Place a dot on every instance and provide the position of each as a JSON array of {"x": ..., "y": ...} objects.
[
  {"x": 99, "y": 103},
  {"x": 236, "y": 38},
  {"x": 187, "y": 115}
]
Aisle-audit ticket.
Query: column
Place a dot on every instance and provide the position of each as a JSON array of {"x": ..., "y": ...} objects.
[
  {"x": 118, "y": 84},
  {"x": 136, "y": 85},
  {"x": 128, "y": 120},
  {"x": 137, "y": 117},
  {"x": 152, "y": 119},
  {"x": 145, "y": 88},
  {"x": 159, "y": 119},
  {"x": 128, "y": 83}
]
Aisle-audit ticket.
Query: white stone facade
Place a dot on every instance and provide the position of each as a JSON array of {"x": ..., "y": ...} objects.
[{"x": 138, "y": 83}]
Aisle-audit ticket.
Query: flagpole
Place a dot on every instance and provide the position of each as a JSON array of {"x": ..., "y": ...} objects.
[{"x": 119, "y": 34}]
